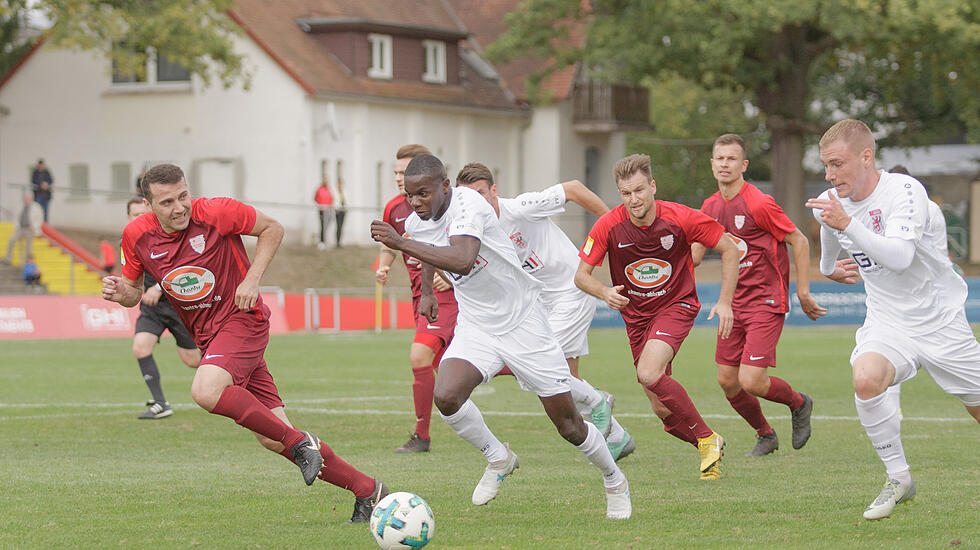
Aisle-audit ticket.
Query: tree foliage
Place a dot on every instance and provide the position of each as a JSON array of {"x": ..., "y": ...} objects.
[
  {"x": 197, "y": 34},
  {"x": 909, "y": 68}
]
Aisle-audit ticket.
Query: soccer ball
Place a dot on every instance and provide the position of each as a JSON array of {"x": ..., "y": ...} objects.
[{"x": 402, "y": 520}]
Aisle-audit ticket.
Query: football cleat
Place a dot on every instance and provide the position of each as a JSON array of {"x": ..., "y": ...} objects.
[
  {"x": 415, "y": 444},
  {"x": 618, "y": 505},
  {"x": 764, "y": 444},
  {"x": 156, "y": 410},
  {"x": 892, "y": 494},
  {"x": 711, "y": 449},
  {"x": 623, "y": 447},
  {"x": 306, "y": 455},
  {"x": 801, "y": 422},
  {"x": 493, "y": 476},
  {"x": 364, "y": 506},
  {"x": 601, "y": 414},
  {"x": 714, "y": 472}
]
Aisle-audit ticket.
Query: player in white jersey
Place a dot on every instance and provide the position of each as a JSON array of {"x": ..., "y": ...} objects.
[
  {"x": 915, "y": 299},
  {"x": 548, "y": 254},
  {"x": 500, "y": 321}
]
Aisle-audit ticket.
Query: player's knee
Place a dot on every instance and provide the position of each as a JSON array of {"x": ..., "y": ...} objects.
[
  {"x": 572, "y": 429},
  {"x": 728, "y": 384},
  {"x": 866, "y": 387},
  {"x": 447, "y": 402},
  {"x": 204, "y": 396},
  {"x": 757, "y": 388}
]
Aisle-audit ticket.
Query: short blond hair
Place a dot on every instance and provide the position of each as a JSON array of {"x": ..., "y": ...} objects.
[
  {"x": 628, "y": 166},
  {"x": 854, "y": 132},
  {"x": 412, "y": 150}
]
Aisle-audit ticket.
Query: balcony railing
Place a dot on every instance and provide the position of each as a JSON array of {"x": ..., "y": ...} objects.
[{"x": 602, "y": 107}]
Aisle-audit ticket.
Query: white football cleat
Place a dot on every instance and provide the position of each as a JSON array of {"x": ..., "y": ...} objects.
[
  {"x": 618, "y": 504},
  {"x": 892, "y": 494},
  {"x": 494, "y": 475}
]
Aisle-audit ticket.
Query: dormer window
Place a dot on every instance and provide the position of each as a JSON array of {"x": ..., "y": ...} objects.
[
  {"x": 159, "y": 71},
  {"x": 380, "y": 56},
  {"x": 435, "y": 61}
]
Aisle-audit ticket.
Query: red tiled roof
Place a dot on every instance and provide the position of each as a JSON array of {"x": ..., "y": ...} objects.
[
  {"x": 272, "y": 24},
  {"x": 485, "y": 20}
]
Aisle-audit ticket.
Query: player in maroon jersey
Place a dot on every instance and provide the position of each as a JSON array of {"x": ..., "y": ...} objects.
[
  {"x": 761, "y": 231},
  {"x": 194, "y": 249},
  {"x": 431, "y": 339},
  {"x": 649, "y": 247}
]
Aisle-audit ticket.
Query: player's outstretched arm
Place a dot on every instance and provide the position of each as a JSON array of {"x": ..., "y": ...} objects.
[
  {"x": 269, "y": 233},
  {"x": 588, "y": 283},
  {"x": 729, "y": 279},
  {"x": 801, "y": 259},
  {"x": 458, "y": 257},
  {"x": 581, "y": 195},
  {"x": 121, "y": 290}
]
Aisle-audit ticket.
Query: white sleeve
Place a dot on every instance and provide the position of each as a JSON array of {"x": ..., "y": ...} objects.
[
  {"x": 894, "y": 253},
  {"x": 829, "y": 251},
  {"x": 472, "y": 217},
  {"x": 538, "y": 205}
]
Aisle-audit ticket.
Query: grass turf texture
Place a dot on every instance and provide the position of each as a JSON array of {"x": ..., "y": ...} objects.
[{"x": 77, "y": 469}]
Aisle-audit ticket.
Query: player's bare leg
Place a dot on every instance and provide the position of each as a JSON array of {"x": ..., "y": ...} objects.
[
  {"x": 587, "y": 439},
  {"x": 214, "y": 390}
]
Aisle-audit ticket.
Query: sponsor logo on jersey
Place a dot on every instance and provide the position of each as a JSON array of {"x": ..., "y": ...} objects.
[
  {"x": 197, "y": 243},
  {"x": 188, "y": 283},
  {"x": 667, "y": 242},
  {"x": 588, "y": 246},
  {"x": 743, "y": 248},
  {"x": 648, "y": 272},
  {"x": 739, "y": 221},
  {"x": 875, "y": 220}
]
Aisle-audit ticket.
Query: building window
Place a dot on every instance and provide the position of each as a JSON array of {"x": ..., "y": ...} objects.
[
  {"x": 435, "y": 61},
  {"x": 380, "y": 56},
  {"x": 159, "y": 70},
  {"x": 122, "y": 179},
  {"x": 78, "y": 181}
]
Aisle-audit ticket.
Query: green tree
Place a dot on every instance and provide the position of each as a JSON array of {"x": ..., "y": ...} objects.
[
  {"x": 197, "y": 34},
  {"x": 909, "y": 68}
]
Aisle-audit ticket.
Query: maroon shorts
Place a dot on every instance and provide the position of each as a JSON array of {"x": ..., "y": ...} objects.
[
  {"x": 437, "y": 335},
  {"x": 671, "y": 325},
  {"x": 238, "y": 347},
  {"x": 752, "y": 341}
]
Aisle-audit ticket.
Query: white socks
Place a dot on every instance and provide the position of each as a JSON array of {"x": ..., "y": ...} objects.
[
  {"x": 594, "y": 448},
  {"x": 468, "y": 424},
  {"x": 584, "y": 395},
  {"x": 616, "y": 432},
  {"x": 879, "y": 416}
]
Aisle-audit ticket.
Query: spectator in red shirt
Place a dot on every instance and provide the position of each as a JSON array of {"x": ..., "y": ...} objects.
[{"x": 324, "y": 206}]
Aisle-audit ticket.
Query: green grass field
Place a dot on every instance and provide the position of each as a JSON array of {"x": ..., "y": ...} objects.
[{"x": 78, "y": 470}]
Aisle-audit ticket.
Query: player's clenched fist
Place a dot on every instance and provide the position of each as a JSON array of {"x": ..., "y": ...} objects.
[{"x": 384, "y": 233}]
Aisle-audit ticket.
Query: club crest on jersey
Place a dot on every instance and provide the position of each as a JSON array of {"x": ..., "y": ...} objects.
[
  {"x": 188, "y": 283},
  {"x": 875, "y": 220},
  {"x": 518, "y": 240},
  {"x": 667, "y": 242},
  {"x": 739, "y": 221},
  {"x": 648, "y": 272},
  {"x": 197, "y": 243}
]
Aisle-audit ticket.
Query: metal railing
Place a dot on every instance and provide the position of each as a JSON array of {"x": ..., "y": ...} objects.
[{"x": 312, "y": 314}]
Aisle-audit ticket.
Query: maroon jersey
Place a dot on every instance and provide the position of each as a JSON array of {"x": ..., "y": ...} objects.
[
  {"x": 396, "y": 212},
  {"x": 759, "y": 226},
  {"x": 198, "y": 268},
  {"x": 652, "y": 263}
]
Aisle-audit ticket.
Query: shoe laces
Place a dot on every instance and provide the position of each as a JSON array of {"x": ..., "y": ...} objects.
[{"x": 887, "y": 492}]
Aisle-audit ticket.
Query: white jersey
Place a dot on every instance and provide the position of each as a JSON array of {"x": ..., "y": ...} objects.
[
  {"x": 543, "y": 248},
  {"x": 497, "y": 294},
  {"x": 929, "y": 294}
]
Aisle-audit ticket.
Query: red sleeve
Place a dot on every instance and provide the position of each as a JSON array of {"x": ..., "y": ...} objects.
[
  {"x": 771, "y": 217},
  {"x": 699, "y": 227},
  {"x": 228, "y": 215},
  {"x": 386, "y": 217},
  {"x": 132, "y": 266},
  {"x": 594, "y": 249}
]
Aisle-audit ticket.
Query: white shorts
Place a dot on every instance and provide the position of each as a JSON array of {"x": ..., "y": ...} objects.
[
  {"x": 950, "y": 355},
  {"x": 570, "y": 317},
  {"x": 530, "y": 350}
]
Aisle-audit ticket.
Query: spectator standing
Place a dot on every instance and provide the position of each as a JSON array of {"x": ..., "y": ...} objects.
[
  {"x": 27, "y": 227},
  {"x": 108, "y": 254},
  {"x": 340, "y": 209},
  {"x": 324, "y": 205},
  {"x": 41, "y": 184}
]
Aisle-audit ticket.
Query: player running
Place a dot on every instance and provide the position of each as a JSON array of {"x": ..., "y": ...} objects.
[
  {"x": 761, "y": 231},
  {"x": 547, "y": 253},
  {"x": 193, "y": 247},
  {"x": 431, "y": 338},
  {"x": 915, "y": 299},
  {"x": 500, "y": 321},
  {"x": 649, "y": 247}
]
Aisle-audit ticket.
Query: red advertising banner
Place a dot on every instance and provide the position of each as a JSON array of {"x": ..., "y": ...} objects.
[{"x": 24, "y": 317}]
